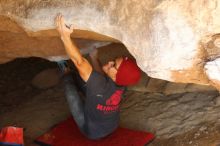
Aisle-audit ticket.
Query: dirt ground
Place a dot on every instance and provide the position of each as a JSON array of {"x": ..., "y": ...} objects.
[{"x": 37, "y": 110}]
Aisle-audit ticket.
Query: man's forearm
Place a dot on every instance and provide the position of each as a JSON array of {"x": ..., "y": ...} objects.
[{"x": 72, "y": 50}]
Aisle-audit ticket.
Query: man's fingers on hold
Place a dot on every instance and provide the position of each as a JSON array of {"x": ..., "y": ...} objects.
[
  {"x": 71, "y": 27},
  {"x": 58, "y": 17},
  {"x": 56, "y": 21},
  {"x": 59, "y": 21}
]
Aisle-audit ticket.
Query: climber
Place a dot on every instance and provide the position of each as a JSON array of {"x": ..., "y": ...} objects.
[{"x": 98, "y": 115}]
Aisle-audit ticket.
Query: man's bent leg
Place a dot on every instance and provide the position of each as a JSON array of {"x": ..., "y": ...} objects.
[
  {"x": 75, "y": 103},
  {"x": 74, "y": 100}
]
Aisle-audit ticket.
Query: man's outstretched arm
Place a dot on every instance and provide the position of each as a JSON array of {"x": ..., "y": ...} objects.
[{"x": 72, "y": 50}]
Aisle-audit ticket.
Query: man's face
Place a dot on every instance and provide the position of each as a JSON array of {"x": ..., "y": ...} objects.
[{"x": 111, "y": 67}]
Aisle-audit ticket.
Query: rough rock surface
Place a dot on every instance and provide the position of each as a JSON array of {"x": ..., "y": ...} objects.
[
  {"x": 170, "y": 39},
  {"x": 169, "y": 115},
  {"x": 152, "y": 85},
  {"x": 46, "y": 79}
]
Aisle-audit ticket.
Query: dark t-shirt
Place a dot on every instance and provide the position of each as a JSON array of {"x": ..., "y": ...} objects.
[{"x": 103, "y": 97}]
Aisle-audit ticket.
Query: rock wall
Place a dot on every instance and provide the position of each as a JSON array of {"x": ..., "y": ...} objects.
[
  {"x": 169, "y": 115},
  {"x": 170, "y": 39}
]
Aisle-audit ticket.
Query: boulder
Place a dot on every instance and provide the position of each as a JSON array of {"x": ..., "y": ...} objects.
[
  {"x": 46, "y": 79},
  {"x": 171, "y": 40}
]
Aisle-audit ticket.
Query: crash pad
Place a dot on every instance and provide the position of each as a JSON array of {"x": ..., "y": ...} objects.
[{"x": 67, "y": 133}]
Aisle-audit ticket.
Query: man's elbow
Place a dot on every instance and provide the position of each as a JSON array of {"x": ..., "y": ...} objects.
[
  {"x": 78, "y": 61},
  {"x": 84, "y": 69}
]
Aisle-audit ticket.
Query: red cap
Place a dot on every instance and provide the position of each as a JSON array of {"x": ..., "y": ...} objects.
[{"x": 128, "y": 72}]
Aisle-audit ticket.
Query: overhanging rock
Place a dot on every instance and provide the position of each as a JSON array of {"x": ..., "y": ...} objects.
[{"x": 170, "y": 40}]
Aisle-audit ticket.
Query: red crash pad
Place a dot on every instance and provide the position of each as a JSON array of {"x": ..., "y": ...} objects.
[{"x": 67, "y": 133}]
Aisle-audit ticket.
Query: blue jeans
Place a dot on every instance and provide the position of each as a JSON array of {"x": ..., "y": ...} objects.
[
  {"x": 73, "y": 83},
  {"x": 75, "y": 102}
]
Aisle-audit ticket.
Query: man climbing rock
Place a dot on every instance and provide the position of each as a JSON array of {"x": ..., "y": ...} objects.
[{"x": 103, "y": 87}]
